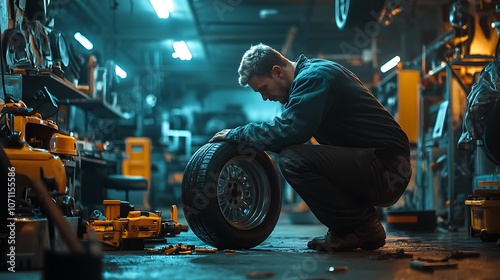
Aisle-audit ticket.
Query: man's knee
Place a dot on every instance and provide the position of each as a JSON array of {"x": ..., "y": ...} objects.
[{"x": 288, "y": 159}]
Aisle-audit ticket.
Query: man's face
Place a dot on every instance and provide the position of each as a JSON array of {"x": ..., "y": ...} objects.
[{"x": 273, "y": 88}]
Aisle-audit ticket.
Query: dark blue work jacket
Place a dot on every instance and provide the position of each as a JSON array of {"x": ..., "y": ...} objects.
[{"x": 329, "y": 102}]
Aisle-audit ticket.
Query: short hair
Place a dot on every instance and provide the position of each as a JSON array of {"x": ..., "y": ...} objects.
[{"x": 259, "y": 60}]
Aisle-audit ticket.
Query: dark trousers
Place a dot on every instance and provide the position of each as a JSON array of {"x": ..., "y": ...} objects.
[{"x": 342, "y": 185}]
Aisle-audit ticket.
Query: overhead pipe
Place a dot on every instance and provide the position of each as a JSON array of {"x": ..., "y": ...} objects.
[{"x": 290, "y": 37}]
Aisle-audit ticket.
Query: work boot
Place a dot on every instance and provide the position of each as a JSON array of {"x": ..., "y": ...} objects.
[{"x": 367, "y": 237}]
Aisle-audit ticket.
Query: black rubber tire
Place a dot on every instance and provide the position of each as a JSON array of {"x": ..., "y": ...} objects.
[
  {"x": 356, "y": 13},
  {"x": 205, "y": 187},
  {"x": 488, "y": 237},
  {"x": 491, "y": 135}
]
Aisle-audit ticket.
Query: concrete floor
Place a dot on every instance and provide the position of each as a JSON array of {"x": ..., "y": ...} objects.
[{"x": 284, "y": 255}]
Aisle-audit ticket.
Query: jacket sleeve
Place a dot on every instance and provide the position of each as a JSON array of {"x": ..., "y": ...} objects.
[{"x": 311, "y": 97}]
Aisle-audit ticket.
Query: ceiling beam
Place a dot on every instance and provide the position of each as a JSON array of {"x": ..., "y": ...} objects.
[
  {"x": 197, "y": 25},
  {"x": 238, "y": 36},
  {"x": 100, "y": 21}
]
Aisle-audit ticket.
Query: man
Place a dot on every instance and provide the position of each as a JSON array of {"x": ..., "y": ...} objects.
[{"x": 362, "y": 159}]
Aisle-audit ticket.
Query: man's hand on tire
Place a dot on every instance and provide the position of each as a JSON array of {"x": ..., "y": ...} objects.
[{"x": 219, "y": 136}]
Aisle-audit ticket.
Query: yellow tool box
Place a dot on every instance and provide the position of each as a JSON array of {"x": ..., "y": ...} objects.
[{"x": 485, "y": 216}]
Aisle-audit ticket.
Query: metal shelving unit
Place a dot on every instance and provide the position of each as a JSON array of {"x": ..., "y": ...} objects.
[
  {"x": 66, "y": 93},
  {"x": 446, "y": 138}
]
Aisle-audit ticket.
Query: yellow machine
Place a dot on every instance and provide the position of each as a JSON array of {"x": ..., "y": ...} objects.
[
  {"x": 133, "y": 230},
  {"x": 138, "y": 161},
  {"x": 36, "y": 149}
]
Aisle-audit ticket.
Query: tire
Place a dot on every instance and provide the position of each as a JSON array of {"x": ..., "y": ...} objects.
[
  {"x": 352, "y": 13},
  {"x": 488, "y": 237},
  {"x": 215, "y": 207},
  {"x": 491, "y": 134},
  {"x": 484, "y": 236}
]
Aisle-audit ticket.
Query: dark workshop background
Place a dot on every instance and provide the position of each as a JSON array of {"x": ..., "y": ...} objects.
[
  {"x": 180, "y": 104},
  {"x": 135, "y": 103}
]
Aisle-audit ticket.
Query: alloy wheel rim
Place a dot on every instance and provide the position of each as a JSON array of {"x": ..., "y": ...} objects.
[{"x": 243, "y": 193}]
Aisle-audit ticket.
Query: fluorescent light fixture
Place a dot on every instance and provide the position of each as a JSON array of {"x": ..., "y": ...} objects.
[
  {"x": 84, "y": 41},
  {"x": 120, "y": 72},
  {"x": 181, "y": 51},
  {"x": 390, "y": 64},
  {"x": 163, "y": 8},
  {"x": 266, "y": 13}
]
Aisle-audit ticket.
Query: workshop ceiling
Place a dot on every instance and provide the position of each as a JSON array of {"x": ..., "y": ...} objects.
[{"x": 219, "y": 31}]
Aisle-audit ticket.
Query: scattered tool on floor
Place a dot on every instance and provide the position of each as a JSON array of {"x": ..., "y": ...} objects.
[
  {"x": 180, "y": 249},
  {"x": 229, "y": 251},
  {"x": 417, "y": 264},
  {"x": 433, "y": 259},
  {"x": 340, "y": 268},
  {"x": 398, "y": 254},
  {"x": 464, "y": 254},
  {"x": 206, "y": 250},
  {"x": 457, "y": 254},
  {"x": 260, "y": 274}
]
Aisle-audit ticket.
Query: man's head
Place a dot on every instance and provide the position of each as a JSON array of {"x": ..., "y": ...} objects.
[{"x": 268, "y": 72}]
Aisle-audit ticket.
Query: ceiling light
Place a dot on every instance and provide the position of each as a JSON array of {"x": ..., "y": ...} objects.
[
  {"x": 84, "y": 41},
  {"x": 181, "y": 51},
  {"x": 163, "y": 8},
  {"x": 120, "y": 72},
  {"x": 266, "y": 13},
  {"x": 151, "y": 100},
  {"x": 390, "y": 64}
]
